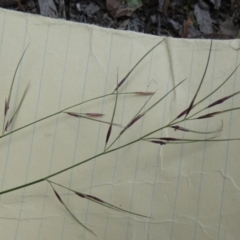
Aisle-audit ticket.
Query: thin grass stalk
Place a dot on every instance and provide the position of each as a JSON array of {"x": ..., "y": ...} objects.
[
  {"x": 65, "y": 206},
  {"x": 78, "y": 115},
  {"x": 104, "y": 153},
  {"x": 7, "y": 101},
  {"x": 157, "y": 102},
  {"x": 94, "y": 157},
  {"x": 61, "y": 111},
  {"x": 193, "y": 131},
  {"x": 98, "y": 201},
  {"x": 215, "y": 113},
  {"x": 216, "y": 89},
  {"x": 171, "y": 124},
  {"x": 101, "y": 154},
  {"x": 162, "y": 141},
  {"x": 18, "y": 108},
  {"x": 78, "y": 104},
  {"x": 134, "y": 119},
  {"x": 54, "y": 114},
  {"x": 198, "y": 141},
  {"x": 113, "y": 114},
  {"x": 191, "y": 106},
  {"x": 210, "y": 94},
  {"x": 142, "y": 114},
  {"x": 215, "y": 103},
  {"x": 128, "y": 74},
  {"x": 171, "y": 139}
]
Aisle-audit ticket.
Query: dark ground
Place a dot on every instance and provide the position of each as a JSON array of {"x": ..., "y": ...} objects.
[{"x": 177, "y": 18}]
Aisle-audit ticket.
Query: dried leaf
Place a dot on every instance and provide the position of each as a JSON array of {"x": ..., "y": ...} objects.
[
  {"x": 228, "y": 28},
  {"x": 48, "y": 8},
  {"x": 217, "y": 3},
  {"x": 204, "y": 19},
  {"x": 118, "y": 9}
]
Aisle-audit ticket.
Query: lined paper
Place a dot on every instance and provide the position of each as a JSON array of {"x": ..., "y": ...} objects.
[{"x": 188, "y": 191}]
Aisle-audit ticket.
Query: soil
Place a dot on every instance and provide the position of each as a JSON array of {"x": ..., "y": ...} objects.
[{"x": 177, "y": 18}]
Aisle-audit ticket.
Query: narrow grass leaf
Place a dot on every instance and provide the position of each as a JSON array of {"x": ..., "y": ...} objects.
[
  {"x": 215, "y": 113},
  {"x": 162, "y": 97},
  {"x": 193, "y": 131},
  {"x": 158, "y": 142},
  {"x": 7, "y": 101},
  {"x": 125, "y": 78},
  {"x": 134, "y": 119},
  {"x": 94, "y": 114},
  {"x": 79, "y": 115},
  {"x": 215, "y": 90},
  {"x": 58, "y": 196},
  {"x": 98, "y": 201},
  {"x": 145, "y": 93},
  {"x": 108, "y": 135},
  {"x": 209, "y": 115},
  {"x": 138, "y": 115},
  {"x": 177, "y": 127},
  {"x": 7, "y": 125},
  {"x": 73, "y": 114},
  {"x": 65, "y": 206},
  {"x": 171, "y": 139},
  {"x": 191, "y": 106},
  {"x": 86, "y": 114},
  {"x": 105, "y": 204},
  {"x": 14, "y": 76},
  {"x": 18, "y": 108},
  {"x": 6, "y": 107},
  {"x": 114, "y": 111},
  {"x": 88, "y": 229},
  {"x": 142, "y": 93},
  {"x": 197, "y": 141},
  {"x": 182, "y": 113},
  {"x": 165, "y": 141},
  {"x": 221, "y": 100}
]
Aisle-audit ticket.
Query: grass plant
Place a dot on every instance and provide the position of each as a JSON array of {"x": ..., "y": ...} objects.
[{"x": 148, "y": 138}]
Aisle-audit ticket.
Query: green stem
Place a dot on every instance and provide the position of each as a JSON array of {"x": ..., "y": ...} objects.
[
  {"x": 98, "y": 155},
  {"x": 61, "y": 111},
  {"x": 54, "y": 114},
  {"x": 77, "y": 164}
]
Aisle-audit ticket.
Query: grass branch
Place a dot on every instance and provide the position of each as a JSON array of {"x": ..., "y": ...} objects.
[{"x": 149, "y": 137}]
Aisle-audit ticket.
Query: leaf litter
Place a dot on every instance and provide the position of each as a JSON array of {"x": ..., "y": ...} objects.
[{"x": 216, "y": 19}]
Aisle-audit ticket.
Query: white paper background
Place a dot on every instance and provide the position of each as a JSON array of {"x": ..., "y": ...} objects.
[{"x": 189, "y": 191}]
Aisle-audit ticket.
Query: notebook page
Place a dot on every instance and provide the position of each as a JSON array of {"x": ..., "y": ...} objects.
[{"x": 188, "y": 191}]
